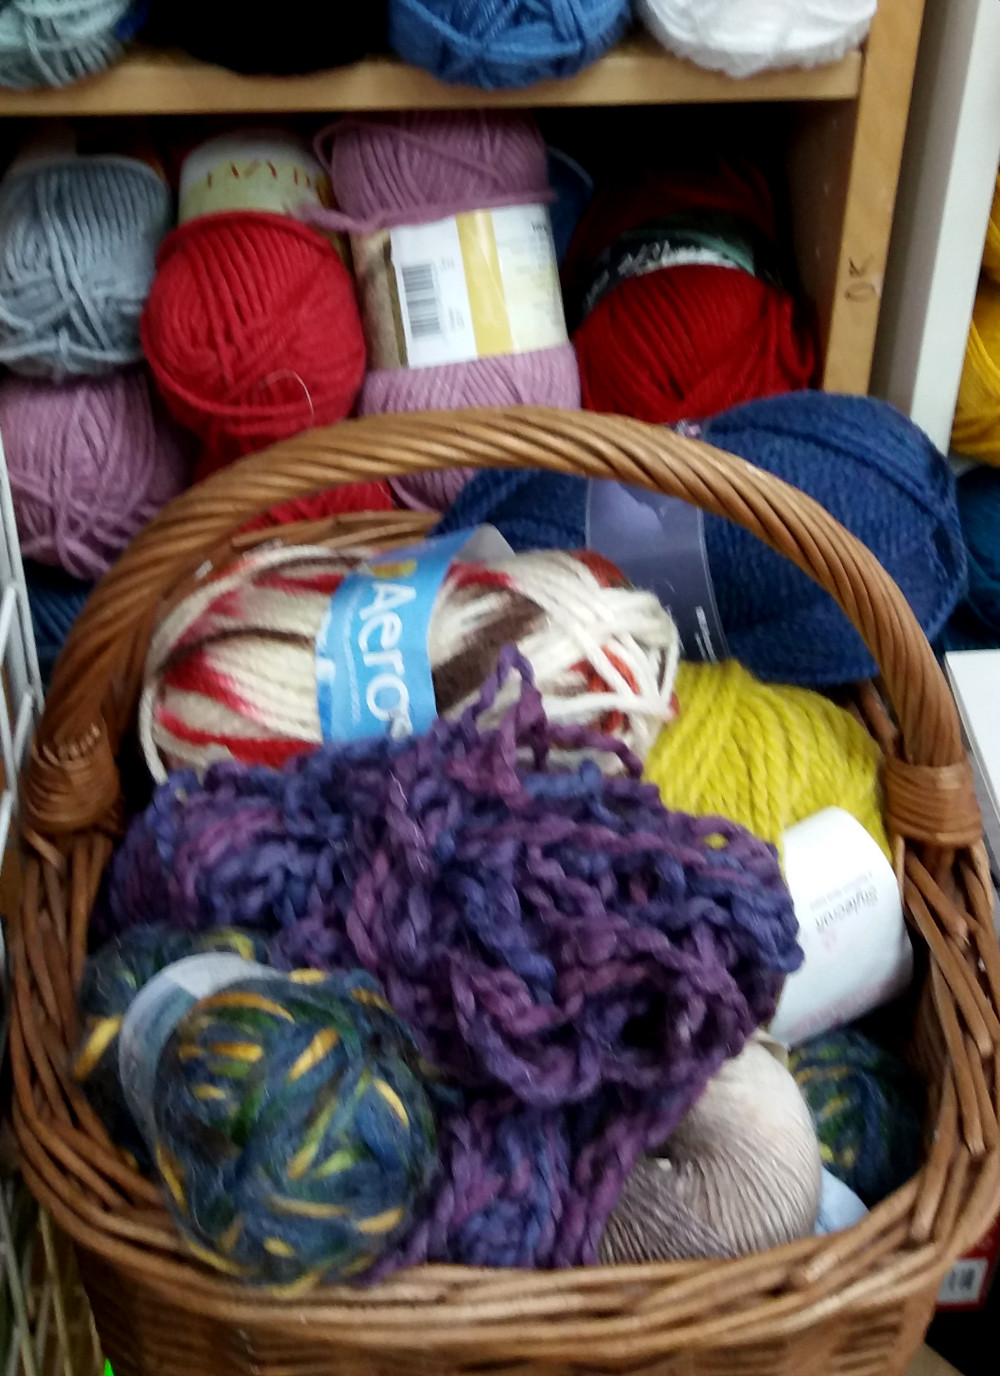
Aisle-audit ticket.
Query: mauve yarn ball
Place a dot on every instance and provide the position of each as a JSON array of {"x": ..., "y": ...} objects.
[
  {"x": 248, "y": 36},
  {"x": 421, "y": 166},
  {"x": 90, "y": 462}
]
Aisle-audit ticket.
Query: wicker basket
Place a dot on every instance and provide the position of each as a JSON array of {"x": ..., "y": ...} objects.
[{"x": 852, "y": 1304}]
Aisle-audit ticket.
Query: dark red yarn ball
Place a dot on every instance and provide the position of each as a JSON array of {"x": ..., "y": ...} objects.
[
  {"x": 685, "y": 342},
  {"x": 252, "y": 331},
  {"x": 334, "y": 501}
]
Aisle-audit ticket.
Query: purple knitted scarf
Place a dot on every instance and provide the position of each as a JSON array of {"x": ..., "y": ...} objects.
[{"x": 556, "y": 939}]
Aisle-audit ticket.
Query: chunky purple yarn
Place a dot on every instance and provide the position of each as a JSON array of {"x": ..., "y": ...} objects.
[{"x": 552, "y": 931}]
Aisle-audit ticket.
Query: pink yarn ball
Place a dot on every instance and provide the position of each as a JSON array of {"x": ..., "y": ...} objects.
[
  {"x": 420, "y": 166},
  {"x": 90, "y": 462}
]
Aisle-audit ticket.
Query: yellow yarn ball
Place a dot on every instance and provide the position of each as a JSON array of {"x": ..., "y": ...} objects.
[
  {"x": 976, "y": 429},
  {"x": 764, "y": 756},
  {"x": 991, "y": 253}
]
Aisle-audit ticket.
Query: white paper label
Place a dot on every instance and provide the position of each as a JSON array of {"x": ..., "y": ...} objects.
[
  {"x": 260, "y": 170},
  {"x": 476, "y": 285},
  {"x": 158, "y": 1008},
  {"x": 851, "y": 928}
]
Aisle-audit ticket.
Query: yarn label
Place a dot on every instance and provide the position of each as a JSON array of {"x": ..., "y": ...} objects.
[
  {"x": 373, "y": 665},
  {"x": 475, "y": 285},
  {"x": 158, "y": 1009},
  {"x": 658, "y": 542},
  {"x": 851, "y": 928},
  {"x": 709, "y": 238},
  {"x": 261, "y": 170}
]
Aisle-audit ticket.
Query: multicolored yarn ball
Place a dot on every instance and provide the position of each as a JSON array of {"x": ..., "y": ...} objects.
[
  {"x": 252, "y": 331},
  {"x": 61, "y": 41},
  {"x": 868, "y": 1108},
  {"x": 417, "y": 167},
  {"x": 869, "y": 466},
  {"x": 294, "y": 1134},
  {"x": 90, "y": 462},
  {"x": 741, "y": 37},
  {"x": 767, "y": 757},
  {"x": 976, "y": 427},
  {"x": 550, "y": 930},
  {"x": 231, "y": 669},
  {"x": 500, "y": 49},
  {"x": 112, "y": 979},
  {"x": 741, "y": 1172},
  {"x": 674, "y": 331},
  {"x": 975, "y": 624},
  {"x": 285, "y": 1114},
  {"x": 78, "y": 241}
]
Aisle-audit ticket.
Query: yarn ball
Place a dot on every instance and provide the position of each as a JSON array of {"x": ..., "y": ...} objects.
[
  {"x": 78, "y": 241},
  {"x": 688, "y": 339},
  {"x": 58, "y": 43},
  {"x": 868, "y": 1108},
  {"x": 766, "y": 757},
  {"x": 90, "y": 462},
  {"x": 250, "y": 37},
  {"x": 975, "y": 624},
  {"x": 420, "y": 166},
  {"x": 252, "y": 331},
  {"x": 976, "y": 428},
  {"x": 741, "y": 37},
  {"x": 991, "y": 250},
  {"x": 112, "y": 977},
  {"x": 293, "y": 1134},
  {"x": 869, "y": 466},
  {"x": 231, "y": 670},
  {"x": 498, "y": 49},
  {"x": 333, "y": 501},
  {"x": 55, "y": 600},
  {"x": 550, "y": 930},
  {"x": 741, "y": 1172}
]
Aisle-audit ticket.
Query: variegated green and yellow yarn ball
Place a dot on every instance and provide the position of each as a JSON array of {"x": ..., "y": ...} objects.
[
  {"x": 765, "y": 756},
  {"x": 295, "y": 1135}
]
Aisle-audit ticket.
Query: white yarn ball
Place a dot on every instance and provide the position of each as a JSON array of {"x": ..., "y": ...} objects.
[
  {"x": 740, "y": 1174},
  {"x": 740, "y": 37},
  {"x": 231, "y": 669}
]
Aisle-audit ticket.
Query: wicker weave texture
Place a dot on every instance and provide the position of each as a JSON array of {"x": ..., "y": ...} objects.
[{"x": 852, "y": 1304}]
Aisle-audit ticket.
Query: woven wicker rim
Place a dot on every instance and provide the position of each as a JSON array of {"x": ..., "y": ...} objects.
[{"x": 72, "y": 812}]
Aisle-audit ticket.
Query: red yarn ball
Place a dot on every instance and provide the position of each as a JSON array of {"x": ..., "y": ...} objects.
[
  {"x": 252, "y": 331},
  {"x": 687, "y": 342},
  {"x": 334, "y": 501}
]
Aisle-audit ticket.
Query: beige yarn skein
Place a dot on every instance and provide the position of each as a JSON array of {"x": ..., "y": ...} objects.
[{"x": 740, "y": 1174}]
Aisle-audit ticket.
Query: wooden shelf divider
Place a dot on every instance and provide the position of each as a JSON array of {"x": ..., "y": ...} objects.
[{"x": 635, "y": 73}]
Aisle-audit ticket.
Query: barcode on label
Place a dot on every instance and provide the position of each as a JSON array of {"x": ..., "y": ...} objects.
[
  {"x": 964, "y": 1282},
  {"x": 423, "y": 308}
]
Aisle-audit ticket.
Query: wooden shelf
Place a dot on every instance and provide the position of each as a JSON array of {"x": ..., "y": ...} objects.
[{"x": 636, "y": 73}]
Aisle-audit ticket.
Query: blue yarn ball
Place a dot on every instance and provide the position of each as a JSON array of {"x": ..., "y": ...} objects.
[
  {"x": 976, "y": 622},
  {"x": 294, "y": 1136},
  {"x": 875, "y": 471},
  {"x": 500, "y": 46},
  {"x": 867, "y": 1108},
  {"x": 55, "y": 600}
]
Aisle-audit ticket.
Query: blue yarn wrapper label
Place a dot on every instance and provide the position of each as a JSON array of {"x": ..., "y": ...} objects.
[
  {"x": 658, "y": 542},
  {"x": 158, "y": 1008},
  {"x": 709, "y": 238},
  {"x": 373, "y": 666}
]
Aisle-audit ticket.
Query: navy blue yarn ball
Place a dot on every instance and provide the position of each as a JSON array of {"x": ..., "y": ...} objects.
[{"x": 872, "y": 469}]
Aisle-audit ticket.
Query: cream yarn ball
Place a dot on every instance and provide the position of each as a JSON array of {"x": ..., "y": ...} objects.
[
  {"x": 740, "y": 1174},
  {"x": 741, "y": 37}
]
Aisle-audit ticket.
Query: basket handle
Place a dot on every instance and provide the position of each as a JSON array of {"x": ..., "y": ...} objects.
[{"x": 72, "y": 779}]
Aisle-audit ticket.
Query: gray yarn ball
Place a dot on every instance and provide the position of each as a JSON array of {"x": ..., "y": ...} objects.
[
  {"x": 56, "y": 42},
  {"x": 78, "y": 242},
  {"x": 741, "y": 1173}
]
